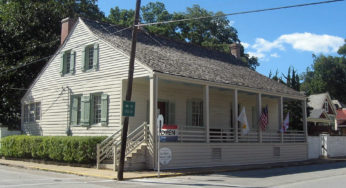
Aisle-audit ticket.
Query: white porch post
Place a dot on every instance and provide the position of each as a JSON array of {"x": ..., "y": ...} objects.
[
  {"x": 305, "y": 125},
  {"x": 259, "y": 112},
  {"x": 206, "y": 111},
  {"x": 235, "y": 113},
  {"x": 153, "y": 114},
  {"x": 281, "y": 115}
]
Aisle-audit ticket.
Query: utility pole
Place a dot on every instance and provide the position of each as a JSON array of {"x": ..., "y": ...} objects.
[{"x": 129, "y": 92}]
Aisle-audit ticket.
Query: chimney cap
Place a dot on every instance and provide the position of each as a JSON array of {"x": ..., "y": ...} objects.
[{"x": 66, "y": 19}]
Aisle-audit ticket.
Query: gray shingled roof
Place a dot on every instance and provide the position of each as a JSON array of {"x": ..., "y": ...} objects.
[
  {"x": 187, "y": 60},
  {"x": 316, "y": 101}
]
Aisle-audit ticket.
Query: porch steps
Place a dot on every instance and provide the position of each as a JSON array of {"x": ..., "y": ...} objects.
[{"x": 134, "y": 161}]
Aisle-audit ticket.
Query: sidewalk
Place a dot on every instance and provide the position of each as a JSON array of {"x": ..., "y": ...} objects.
[
  {"x": 83, "y": 171},
  {"x": 109, "y": 174}
]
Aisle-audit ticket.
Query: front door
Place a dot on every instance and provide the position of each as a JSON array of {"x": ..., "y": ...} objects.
[{"x": 163, "y": 110}]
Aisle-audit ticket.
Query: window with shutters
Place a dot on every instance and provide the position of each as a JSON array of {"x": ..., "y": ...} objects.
[
  {"x": 90, "y": 57},
  {"x": 68, "y": 59},
  {"x": 195, "y": 113},
  {"x": 96, "y": 108},
  {"x": 32, "y": 112},
  {"x": 93, "y": 110}
]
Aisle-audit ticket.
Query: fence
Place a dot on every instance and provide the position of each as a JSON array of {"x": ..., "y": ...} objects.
[{"x": 334, "y": 146}]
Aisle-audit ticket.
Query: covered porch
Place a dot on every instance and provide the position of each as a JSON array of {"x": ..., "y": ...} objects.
[{"x": 205, "y": 115}]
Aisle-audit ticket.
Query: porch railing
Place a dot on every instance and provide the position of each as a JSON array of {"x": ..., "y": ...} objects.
[{"x": 220, "y": 135}]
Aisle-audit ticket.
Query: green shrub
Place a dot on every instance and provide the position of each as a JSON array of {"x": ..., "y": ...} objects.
[{"x": 76, "y": 149}]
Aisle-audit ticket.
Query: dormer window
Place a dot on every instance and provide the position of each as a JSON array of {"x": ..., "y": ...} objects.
[
  {"x": 90, "y": 57},
  {"x": 67, "y": 65},
  {"x": 326, "y": 106}
]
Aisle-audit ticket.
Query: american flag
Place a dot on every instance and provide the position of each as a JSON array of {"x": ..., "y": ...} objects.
[{"x": 264, "y": 118}]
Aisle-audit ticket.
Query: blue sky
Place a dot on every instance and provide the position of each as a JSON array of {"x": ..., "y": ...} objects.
[{"x": 278, "y": 38}]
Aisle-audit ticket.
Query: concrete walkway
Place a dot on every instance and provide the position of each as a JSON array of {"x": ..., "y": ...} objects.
[
  {"x": 83, "y": 171},
  {"x": 109, "y": 174}
]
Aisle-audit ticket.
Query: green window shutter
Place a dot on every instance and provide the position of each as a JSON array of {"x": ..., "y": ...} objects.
[
  {"x": 189, "y": 113},
  {"x": 96, "y": 56},
  {"x": 72, "y": 62},
  {"x": 171, "y": 113},
  {"x": 62, "y": 64},
  {"x": 84, "y": 58},
  {"x": 85, "y": 108},
  {"x": 74, "y": 110},
  {"x": 104, "y": 109}
]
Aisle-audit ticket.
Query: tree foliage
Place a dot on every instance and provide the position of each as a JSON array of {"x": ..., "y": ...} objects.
[
  {"x": 215, "y": 33},
  {"x": 327, "y": 73},
  {"x": 24, "y": 26},
  {"x": 293, "y": 107}
]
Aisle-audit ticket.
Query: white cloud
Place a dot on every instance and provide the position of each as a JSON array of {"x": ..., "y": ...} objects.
[
  {"x": 262, "y": 45},
  {"x": 259, "y": 55},
  {"x": 299, "y": 41},
  {"x": 245, "y": 45},
  {"x": 274, "y": 55},
  {"x": 312, "y": 42}
]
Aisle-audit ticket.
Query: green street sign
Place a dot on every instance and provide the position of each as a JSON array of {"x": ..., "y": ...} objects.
[{"x": 129, "y": 108}]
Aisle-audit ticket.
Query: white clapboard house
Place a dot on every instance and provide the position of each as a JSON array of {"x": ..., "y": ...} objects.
[{"x": 200, "y": 92}]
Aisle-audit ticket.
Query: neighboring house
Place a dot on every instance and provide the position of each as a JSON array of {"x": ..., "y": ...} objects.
[
  {"x": 322, "y": 114},
  {"x": 341, "y": 120},
  {"x": 338, "y": 104},
  {"x": 198, "y": 91}
]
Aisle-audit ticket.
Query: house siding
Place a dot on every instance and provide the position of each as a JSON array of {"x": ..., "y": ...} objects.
[
  {"x": 51, "y": 88},
  {"x": 190, "y": 155}
]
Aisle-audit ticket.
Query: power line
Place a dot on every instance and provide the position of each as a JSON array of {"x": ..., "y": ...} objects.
[
  {"x": 237, "y": 13},
  {"x": 25, "y": 64},
  {"x": 31, "y": 47}
]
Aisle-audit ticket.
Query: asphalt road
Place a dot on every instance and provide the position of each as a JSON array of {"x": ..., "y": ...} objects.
[{"x": 324, "y": 175}]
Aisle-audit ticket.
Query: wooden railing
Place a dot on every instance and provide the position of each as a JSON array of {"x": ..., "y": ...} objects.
[
  {"x": 192, "y": 135},
  {"x": 294, "y": 137},
  {"x": 110, "y": 147},
  {"x": 220, "y": 135}
]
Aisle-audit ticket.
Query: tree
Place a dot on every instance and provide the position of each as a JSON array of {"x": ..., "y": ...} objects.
[
  {"x": 215, "y": 33},
  {"x": 25, "y": 26},
  {"x": 294, "y": 107},
  {"x": 328, "y": 73}
]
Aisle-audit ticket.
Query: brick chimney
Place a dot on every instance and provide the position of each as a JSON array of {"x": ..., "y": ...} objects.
[
  {"x": 235, "y": 50},
  {"x": 66, "y": 26}
]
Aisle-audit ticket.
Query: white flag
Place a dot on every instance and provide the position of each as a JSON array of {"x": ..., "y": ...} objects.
[
  {"x": 286, "y": 123},
  {"x": 244, "y": 126}
]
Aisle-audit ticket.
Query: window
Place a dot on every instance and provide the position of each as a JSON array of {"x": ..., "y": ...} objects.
[
  {"x": 32, "y": 112},
  {"x": 75, "y": 113},
  {"x": 67, "y": 62},
  {"x": 93, "y": 109},
  {"x": 90, "y": 62},
  {"x": 326, "y": 106},
  {"x": 96, "y": 108},
  {"x": 195, "y": 113},
  {"x": 167, "y": 109},
  {"x": 90, "y": 57}
]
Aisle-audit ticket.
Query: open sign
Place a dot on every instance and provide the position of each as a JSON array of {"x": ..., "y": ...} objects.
[{"x": 169, "y": 133}]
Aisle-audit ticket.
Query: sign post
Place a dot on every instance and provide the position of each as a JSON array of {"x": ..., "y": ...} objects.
[{"x": 159, "y": 124}]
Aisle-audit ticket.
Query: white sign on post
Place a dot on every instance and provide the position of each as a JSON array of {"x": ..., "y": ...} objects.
[{"x": 165, "y": 155}]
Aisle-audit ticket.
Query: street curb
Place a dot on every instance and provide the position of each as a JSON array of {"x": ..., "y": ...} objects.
[
  {"x": 175, "y": 174},
  {"x": 59, "y": 171}
]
